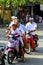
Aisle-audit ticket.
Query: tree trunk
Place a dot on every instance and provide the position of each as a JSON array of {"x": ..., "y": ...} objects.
[{"x": 32, "y": 10}]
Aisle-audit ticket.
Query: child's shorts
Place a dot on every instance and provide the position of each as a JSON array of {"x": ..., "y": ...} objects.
[{"x": 13, "y": 43}]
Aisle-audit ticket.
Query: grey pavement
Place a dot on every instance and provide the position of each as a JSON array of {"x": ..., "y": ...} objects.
[{"x": 34, "y": 58}]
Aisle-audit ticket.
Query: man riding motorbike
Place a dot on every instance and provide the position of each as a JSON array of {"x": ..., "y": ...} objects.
[
  {"x": 31, "y": 28},
  {"x": 20, "y": 32}
]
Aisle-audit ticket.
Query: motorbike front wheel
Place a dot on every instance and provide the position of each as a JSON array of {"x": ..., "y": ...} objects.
[
  {"x": 28, "y": 50},
  {"x": 10, "y": 57}
]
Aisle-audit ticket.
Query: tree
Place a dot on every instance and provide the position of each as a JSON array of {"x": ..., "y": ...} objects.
[
  {"x": 41, "y": 1},
  {"x": 1, "y": 1},
  {"x": 19, "y": 2},
  {"x": 16, "y": 3},
  {"x": 33, "y": 1}
]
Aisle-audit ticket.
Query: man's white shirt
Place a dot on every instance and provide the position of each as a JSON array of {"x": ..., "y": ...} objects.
[
  {"x": 30, "y": 27},
  {"x": 21, "y": 27}
]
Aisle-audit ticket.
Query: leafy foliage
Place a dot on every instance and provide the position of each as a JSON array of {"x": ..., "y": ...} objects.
[
  {"x": 18, "y": 2},
  {"x": 41, "y": 1},
  {"x": 2, "y": 1},
  {"x": 33, "y": 1},
  {"x": 14, "y": 2}
]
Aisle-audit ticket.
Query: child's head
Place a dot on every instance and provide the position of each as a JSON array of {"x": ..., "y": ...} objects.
[{"x": 14, "y": 26}]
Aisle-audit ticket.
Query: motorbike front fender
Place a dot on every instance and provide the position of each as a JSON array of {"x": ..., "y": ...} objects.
[{"x": 10, "y": 49}]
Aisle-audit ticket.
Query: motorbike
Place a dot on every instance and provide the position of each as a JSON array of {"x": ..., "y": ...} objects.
[
  {"x": 12, "y": 53},
  {"x": 28, "y": 37},
  {"x": 2, "y": 55}
]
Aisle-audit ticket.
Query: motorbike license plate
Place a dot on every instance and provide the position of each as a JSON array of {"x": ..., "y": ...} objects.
[{"x": 27, "y": 36}]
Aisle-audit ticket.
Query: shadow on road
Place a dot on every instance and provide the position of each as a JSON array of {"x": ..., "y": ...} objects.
[
  {"x": 38, "y": 51},
  {"x": 41, "y": 37},
  {"x": 30, "y": 61}
]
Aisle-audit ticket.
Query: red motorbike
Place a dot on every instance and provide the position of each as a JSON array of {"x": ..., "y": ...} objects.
[{"x": 32, "y": 42}]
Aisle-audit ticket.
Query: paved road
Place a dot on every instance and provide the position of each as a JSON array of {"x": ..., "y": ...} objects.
[{"x": 35, "y": 58}]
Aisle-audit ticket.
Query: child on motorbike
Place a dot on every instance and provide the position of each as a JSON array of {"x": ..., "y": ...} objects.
[
  {"x": 15, "y": 38},
  {"x": 14, "y": 31}
]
